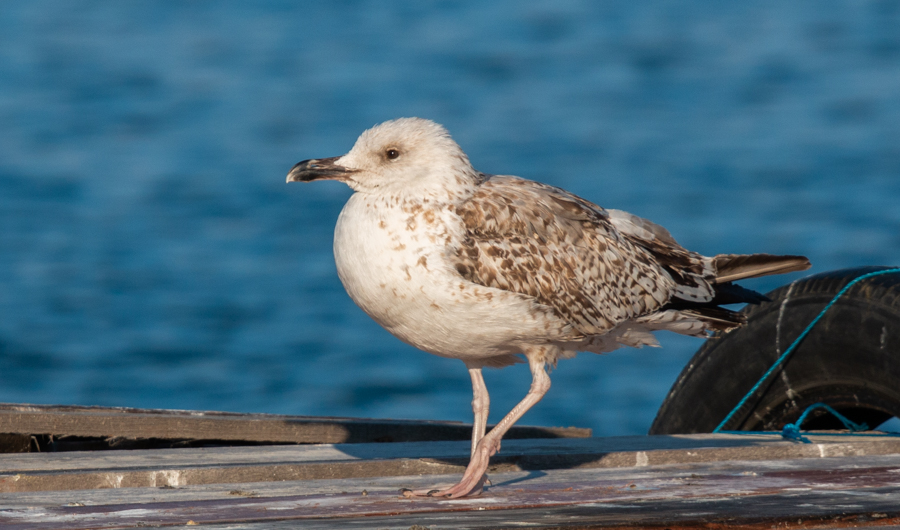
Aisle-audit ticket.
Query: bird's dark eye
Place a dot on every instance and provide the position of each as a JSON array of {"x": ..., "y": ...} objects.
[{"x": 392, "y": 153}]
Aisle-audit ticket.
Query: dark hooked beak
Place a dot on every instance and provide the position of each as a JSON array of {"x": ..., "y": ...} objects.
[{"x": 318, "y": 169}]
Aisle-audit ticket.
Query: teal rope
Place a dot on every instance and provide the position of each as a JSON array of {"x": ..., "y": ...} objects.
[
  {"x": 875, "y": 434},
  {"x": 791, "y": 431},
  {"x": 796, "y": 342}
]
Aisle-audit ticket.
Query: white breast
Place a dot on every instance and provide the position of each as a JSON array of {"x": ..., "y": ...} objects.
[{"x": 395, "y": 263}]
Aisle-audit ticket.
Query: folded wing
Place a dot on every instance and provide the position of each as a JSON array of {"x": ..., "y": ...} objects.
[{"x": 596, "y": 269}]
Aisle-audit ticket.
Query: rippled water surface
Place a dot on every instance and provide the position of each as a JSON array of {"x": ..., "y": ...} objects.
[{"x": 152, "y": 256}]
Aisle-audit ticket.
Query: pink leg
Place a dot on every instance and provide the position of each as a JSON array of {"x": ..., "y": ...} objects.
[
  {"x": 474, "y": 477},
  {"x": 481, "y": 404}
]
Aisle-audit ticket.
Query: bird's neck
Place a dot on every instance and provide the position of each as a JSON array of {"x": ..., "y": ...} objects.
[{"x": 447, "y": 192}]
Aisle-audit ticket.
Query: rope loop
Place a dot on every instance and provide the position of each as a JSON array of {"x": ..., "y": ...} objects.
[{"x": 791, "y": 431}]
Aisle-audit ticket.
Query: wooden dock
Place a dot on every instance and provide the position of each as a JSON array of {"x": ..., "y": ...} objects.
[{"x": 708, "y": 481}]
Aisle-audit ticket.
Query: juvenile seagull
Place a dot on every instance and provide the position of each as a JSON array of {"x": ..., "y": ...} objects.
[{"x": 482, "y": 268}]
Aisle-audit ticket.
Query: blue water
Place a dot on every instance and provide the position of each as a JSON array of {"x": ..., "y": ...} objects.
[{"x": 151, "y": 254}]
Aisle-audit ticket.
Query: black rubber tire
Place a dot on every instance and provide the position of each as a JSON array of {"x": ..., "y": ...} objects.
[{"x": 850, "y": 360}]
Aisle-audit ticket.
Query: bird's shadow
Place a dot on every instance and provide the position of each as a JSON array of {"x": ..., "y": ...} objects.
[{"x": 530, "y": 476}]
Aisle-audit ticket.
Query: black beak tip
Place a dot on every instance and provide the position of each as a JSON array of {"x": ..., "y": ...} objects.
[
  {"x": 301, "y": 171},
  {"x": 316, "y": 169}
]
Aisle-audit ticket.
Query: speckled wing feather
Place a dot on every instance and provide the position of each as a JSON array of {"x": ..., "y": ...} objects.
[
  {"x": 693, "y": 273},
  {"x": 569, "y": 254}
]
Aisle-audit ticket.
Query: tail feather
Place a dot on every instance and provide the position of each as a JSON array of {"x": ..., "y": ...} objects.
[
  {"x": 731, "y": 267},
  {"x": 732, "y": 293},
  {"x": 717, "y": 318},
  {"x": 690, "y": 313}
]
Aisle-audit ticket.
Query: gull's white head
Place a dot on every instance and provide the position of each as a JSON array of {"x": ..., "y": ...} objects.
[{"x": 403, "y": 156}]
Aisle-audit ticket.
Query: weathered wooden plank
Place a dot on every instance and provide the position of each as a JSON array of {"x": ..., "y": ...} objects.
[
  {"x": 391, "y": 484},
  {"x": 657, "y": 516},
  {"x": 817, "y": 492},
  {"x": 733, "y": 446},
  {"x": 105, "y": 422},
  {"x": 156, "y": 468},
  {"x": 768, "y": 512}
]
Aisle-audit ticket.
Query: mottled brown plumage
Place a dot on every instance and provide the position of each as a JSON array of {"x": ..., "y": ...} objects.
[{"x": 541, "y": 241}]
